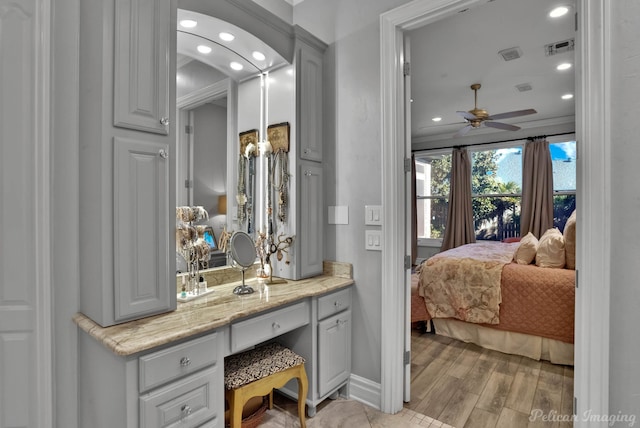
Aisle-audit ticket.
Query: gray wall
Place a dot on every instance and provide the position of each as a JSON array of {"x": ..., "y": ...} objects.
[
  {"x": 624, "y": 367},
  {"x": 209, "y": 156},
  {"x": 352, "y": 152}
]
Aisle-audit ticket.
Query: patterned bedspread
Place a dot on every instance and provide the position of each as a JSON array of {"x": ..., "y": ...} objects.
[
  {"x": 530, "y": 299},
  {"x": 464, "y": 282}
]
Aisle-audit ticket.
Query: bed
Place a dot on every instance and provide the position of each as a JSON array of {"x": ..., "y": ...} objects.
[{"x": 477, "y": 293}]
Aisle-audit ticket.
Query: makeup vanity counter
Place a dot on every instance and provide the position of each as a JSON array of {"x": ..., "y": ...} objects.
[{"x": 168, "y": 368}]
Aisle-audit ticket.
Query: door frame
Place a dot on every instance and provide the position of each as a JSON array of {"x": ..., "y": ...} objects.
[{"x": 593, "y": 98}]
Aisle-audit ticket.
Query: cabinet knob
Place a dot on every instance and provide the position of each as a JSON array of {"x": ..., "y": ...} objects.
[
  {"x": 185, "y": 361},
  {"x": 275, "y": 326},
  {"x": 164, "y": 121},
  {"x": 337, "y": 304},
  {"x": 341, "y": 322},
  {"x": 163, "y": 153},
  {"x": 186, "y": 410}
]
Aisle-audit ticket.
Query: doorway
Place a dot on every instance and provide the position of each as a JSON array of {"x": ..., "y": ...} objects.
[{"x": 591, "y": 350}]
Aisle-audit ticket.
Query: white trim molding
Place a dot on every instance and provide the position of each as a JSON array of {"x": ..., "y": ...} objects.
[
  {"x": 591, "y": 381},
  {"x": 593, "y": 138},
  {"x": 365, "y": 391},
  {"x": 42, "y": 203}
]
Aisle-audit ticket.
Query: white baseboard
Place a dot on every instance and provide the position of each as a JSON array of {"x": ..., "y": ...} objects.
[{"x": 365, "y": 391}]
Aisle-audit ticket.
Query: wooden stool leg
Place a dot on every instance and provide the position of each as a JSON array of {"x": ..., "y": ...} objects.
[
  {"x": 303, "y": 386},
  {"x": 271, "y": 400},
  {"x": 236, "y": 404}
]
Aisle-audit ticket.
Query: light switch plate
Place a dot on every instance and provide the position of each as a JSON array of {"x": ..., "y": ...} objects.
[
  {"x": 373, "y": 215},
  {"x": 373, "y": 240}
]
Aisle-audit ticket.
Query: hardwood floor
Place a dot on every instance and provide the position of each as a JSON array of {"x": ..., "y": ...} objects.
[{"x": 464, "y": 385}]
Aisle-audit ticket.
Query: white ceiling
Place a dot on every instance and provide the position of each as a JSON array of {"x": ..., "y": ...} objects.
[
  {"x": 447, "y": 57},
  {"x": 450, "y": 55}
]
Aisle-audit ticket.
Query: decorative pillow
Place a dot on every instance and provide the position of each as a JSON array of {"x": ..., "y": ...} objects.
[
  {"x": 526, "y": 252},
  {"x": 569, "y": 236},
  {"x": 551, "y": 250}
]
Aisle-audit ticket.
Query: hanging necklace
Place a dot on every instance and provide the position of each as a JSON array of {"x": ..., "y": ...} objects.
[
  {"x": 241, "y": 197},
  {"x": 281, "y": 183}
]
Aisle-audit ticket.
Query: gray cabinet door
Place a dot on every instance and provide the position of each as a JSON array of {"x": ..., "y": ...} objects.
[
  {"x": 311, "y": 219},
  {"x": 142, "y": 43},
  {"x": 141, "y": 222},
  {"x": 310, "y": 104},
  {"x": 334, "y": 352}
]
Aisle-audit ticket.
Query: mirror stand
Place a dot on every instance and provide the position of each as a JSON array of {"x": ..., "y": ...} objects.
[
  {"x": 243, "y": 253},
  {"x": 244, "y": 288}
]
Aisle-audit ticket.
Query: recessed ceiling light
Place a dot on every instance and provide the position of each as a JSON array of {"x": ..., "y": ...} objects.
[
  {"x": 558, "y": 12},
  {"x": 258, "y": 56},
  {"x": 227, "y": 37},
  {"x": 204, "y": 49},
  {"x": 188, "y": 23},
  {"x": 236, "y": 66},
  {"x": 567, "y": 96},
  {"x": 436, "y": 119},
  {"x": 563, "y": 66}
]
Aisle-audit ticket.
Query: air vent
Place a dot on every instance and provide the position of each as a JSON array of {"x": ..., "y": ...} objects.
[
  {"x": 524, "y": 87},
  {"x": 511, "y": 53},
  {"x": 559, "y": 47}
]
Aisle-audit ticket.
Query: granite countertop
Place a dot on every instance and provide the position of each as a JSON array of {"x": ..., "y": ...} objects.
[{"x": 211, "y": 311}]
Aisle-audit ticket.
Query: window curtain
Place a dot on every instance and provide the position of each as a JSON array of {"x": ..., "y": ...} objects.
[
  {"x": 459, "y": 229},
  {"x": 414, "y": 212},
  {"x": 537, "y": 189}
]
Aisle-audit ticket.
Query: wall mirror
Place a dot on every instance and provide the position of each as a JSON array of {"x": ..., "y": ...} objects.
[{"x": 222, "y": 91}]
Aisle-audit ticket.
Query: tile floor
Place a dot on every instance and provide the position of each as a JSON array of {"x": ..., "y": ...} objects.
[{"x": 345, "y": 413}]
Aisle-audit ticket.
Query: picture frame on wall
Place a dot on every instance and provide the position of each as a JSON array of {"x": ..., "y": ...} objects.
[
  {"x": 278, "y": 136},
  {"x": 249, "y": 137}
]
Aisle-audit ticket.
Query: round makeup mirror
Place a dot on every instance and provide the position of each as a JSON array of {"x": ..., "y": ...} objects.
[{"x": 243, "y": 254}]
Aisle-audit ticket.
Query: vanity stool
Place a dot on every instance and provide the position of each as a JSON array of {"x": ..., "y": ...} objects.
[{"x": 257, "y": 372}]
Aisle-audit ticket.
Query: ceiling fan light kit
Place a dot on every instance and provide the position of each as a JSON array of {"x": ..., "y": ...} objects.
[{"x": 478, "y": 117}]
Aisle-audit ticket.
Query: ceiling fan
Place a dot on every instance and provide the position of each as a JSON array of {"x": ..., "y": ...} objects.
[{"x": 479, "y": 117}]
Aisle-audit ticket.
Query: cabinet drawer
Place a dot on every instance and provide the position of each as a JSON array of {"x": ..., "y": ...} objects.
[
  {"x": 247, "y": 333},
  {"x": 185, "y": 403},
  {"x": 168, "y": 364},
  {"x": 334, "y": 303}
]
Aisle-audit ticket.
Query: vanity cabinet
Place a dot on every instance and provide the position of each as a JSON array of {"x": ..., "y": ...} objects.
[
  {"x": 127, "y": 143},
  {"x": 180, "y": 385},
  {"x": 306, "y": 219},
  {"x": 326, "y": 345}
]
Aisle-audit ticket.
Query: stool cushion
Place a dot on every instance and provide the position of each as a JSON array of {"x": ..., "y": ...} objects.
[{"x": 249, "y": 366}]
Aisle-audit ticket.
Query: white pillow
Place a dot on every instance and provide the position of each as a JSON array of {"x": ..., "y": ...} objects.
[
  {"x": 527, "y": 249},
  {"x": 551, "y": 250},
  {"x": 569, "y": 236}
]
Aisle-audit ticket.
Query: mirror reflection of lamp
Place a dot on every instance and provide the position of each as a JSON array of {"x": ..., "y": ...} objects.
[{"x": 222, "y": 204}]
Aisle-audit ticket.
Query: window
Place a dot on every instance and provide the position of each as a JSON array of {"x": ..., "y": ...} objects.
[
  {"x": 496, "y": 174},
  {"x": 433, "y": 171}
]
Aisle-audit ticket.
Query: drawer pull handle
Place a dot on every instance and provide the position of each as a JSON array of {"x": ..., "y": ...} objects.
[
  {"x": 185, "y": 361},
  {"x": 164, "y": 121},
  {"x": 163, "y": 153},
  {"x": 338, "y": 304},
  {"x": 341, "y": 322},
  {"x": 186, "y": 410},
  {"x": 275, "y": 326}
]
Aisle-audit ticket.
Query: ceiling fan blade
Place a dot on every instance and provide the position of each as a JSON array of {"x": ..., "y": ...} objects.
[
  {"x": 509, "y": 114},
  {"x": 500, "y": 125},
  {"x": 463, "y": 131},
  {"x": 467, "y": 115}
]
